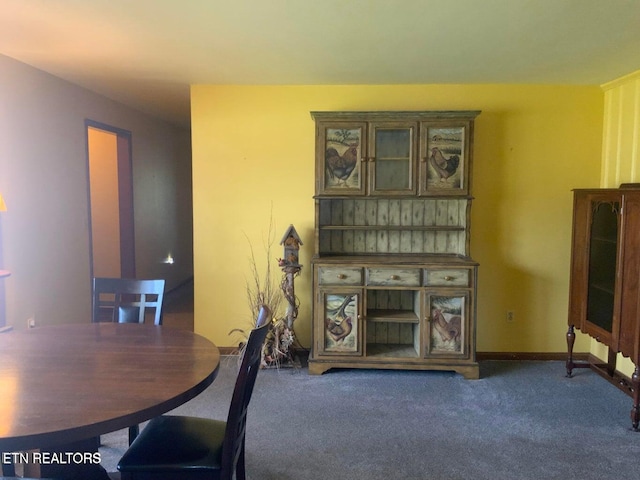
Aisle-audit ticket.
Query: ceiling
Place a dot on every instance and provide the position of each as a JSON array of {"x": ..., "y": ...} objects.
[{"x": 146, "y": 53}]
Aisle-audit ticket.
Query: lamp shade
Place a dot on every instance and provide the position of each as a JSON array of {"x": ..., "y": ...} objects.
[{"x": 3, "y": 206}]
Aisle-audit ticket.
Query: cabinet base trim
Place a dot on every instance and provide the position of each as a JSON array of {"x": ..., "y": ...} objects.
[
  {"x": 470, "y": 371},
  {"x": 531, "y": 356}
]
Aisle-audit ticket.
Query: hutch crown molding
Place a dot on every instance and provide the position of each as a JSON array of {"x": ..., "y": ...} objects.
[{"x": 393, "y": 283}]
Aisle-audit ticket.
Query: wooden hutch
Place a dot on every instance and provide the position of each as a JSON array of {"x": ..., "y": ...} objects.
[{"x": 393, "y": 284}]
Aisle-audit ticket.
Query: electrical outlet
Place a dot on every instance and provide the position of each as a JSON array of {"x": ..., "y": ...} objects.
[
  {"x": 31, "y": 322},
  {"x": 511, "y": 316}
]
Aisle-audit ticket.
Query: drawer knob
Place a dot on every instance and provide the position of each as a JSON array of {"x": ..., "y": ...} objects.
[
  {"x": 341, "y": 276},
  {"x": 395, "y": 277},
  {"x": 448, "y": 278}
]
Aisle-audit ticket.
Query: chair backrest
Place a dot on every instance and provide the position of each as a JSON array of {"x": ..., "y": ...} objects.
[
  {"x": 233, "y": 444},
  {"x": 126, "y": 300}
]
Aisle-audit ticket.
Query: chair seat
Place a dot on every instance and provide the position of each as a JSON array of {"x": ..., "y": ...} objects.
[{"x": 176, "y": 443}]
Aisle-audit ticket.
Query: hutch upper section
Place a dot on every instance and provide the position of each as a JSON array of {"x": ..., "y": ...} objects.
[
  {"x": 393, "y": 153},
  {"x": 393, "y": 182}
]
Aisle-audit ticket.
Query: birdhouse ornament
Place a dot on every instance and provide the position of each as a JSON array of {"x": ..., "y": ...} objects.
[
  {"x": 291, "y": 242},
  {"x": 291, "y": 268}
]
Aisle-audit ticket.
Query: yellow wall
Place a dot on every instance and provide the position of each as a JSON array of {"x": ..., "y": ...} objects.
[
  {"x": 253, "y": 157},
  {"x": 620, "y": 153}
]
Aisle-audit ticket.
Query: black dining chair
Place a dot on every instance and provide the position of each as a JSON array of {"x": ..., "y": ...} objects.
[
  {"x": 181, "y": 447},
  {"x": 127, "y": 300}
]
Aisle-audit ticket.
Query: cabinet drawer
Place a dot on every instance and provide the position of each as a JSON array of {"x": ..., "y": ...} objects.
[
  {"x": 339, "y": 276},
  {"x": 448, "y": 277},
  {"x": 401, "y": 277}
]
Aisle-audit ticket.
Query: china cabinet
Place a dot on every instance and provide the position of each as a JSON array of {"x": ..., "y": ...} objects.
[
  {"x": 605, "y": 278},
  {"x": 394, "y": 286}
]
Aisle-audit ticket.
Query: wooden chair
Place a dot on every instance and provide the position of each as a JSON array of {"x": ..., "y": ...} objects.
[
  {"x": 126, "y": 300},
  {"x": 179, "y": 447}
]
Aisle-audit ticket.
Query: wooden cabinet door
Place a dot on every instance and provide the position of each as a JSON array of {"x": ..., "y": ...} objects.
[
  {"x": 628, "y": 331},
  {"x": 392, "y": 158},
  {"x": 338, "y": 325},
  {"x": 448, "y": 315},
  {"x": 445, "y": 154},
  {"x": 595, "y": 275},
  {"x": 341, "y": 149}
]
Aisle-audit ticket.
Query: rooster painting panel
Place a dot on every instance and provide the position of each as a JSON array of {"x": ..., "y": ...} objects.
[
  {"x": 447, "y": 324},
  {"x": 445, "y": 159},
  {"x": 341, "y": 323},
  {"x": 342, "y": 158}
]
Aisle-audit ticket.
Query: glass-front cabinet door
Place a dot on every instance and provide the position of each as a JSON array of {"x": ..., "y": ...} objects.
[
  {"x": 603, "y": 266},
  {"x": 392, "y": 158}
]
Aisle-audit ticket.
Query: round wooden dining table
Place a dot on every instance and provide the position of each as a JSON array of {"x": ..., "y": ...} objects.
[{"x": 63, "y": 384}]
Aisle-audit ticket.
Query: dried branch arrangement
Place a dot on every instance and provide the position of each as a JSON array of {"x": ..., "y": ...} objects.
[{"x": 265, "y": 290}]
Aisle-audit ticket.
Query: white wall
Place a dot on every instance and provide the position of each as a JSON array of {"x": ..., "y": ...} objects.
[{"x": 44, "y": 235}]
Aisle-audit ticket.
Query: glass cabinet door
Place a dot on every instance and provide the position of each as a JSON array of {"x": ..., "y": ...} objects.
[
  {"x": 392, "y": 161},
  {"x": 603, "y": 258}
]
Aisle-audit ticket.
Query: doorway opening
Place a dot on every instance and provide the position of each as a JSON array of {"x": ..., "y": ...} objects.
[{"x": 110, "y": 185}]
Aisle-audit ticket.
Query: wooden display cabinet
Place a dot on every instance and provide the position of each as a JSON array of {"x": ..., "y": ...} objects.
[
  {"x": 605, "y": 280},
  {"x": 394, "y": 286}
]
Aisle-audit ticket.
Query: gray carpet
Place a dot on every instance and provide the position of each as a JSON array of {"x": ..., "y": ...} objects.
[{"x": 521, "y": 420}]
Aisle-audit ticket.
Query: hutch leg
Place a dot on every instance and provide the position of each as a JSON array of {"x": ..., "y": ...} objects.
[
  {"x": 317, "y": 369},
  {"x": 571, "y": 338},
  {"x": 635, "y": 411},
  {"x": 471, "y": 372},
  {"x": 611, "y": 362}
]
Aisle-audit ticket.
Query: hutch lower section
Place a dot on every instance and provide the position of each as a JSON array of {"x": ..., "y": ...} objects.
[{"x": 394, "y": 312}]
